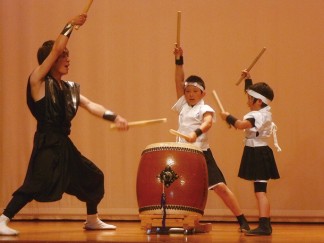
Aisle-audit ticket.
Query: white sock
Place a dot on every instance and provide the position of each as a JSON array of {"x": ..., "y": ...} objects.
[
  {"x": 4, "y": 229},
  {"x": 94, "y": 223}
]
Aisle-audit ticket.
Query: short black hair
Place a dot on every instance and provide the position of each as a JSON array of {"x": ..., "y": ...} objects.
[
  {"x": 263, "y": 89},
  {"x": 44, "y": 51},
  {"x": 196, "y": 79}
]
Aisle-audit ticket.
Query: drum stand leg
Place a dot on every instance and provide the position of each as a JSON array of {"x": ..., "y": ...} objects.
[{"x": 186, "y": 224}]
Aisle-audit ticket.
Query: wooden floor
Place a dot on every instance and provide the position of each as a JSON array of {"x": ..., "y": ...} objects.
[{"x": 130, "y": 231}]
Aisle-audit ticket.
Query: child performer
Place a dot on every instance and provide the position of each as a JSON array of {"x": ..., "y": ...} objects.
[
  {"x": 258, "y": 163},
  {"x": 195, "y": 119}
]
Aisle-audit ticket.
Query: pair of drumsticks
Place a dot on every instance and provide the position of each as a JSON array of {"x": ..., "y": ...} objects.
[
  {"x": 172, "y": 131},
  {"x": 240, "y": 79},
  {"x": 133, "y": 123},
  {"x": 148, "y": 122}
]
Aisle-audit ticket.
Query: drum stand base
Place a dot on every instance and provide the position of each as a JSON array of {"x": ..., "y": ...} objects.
[{"x": 186, "y": 224}]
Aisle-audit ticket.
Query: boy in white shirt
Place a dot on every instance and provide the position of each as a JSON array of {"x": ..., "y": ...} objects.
[{"x": 195, "y": 119}]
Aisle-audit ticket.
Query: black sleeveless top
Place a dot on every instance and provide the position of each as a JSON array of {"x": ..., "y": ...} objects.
[
  {"x": 57, "y": 108},
  {"x": 56, "y": 166}
]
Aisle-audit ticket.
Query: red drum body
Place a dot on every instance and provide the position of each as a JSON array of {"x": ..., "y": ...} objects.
[{"x": 177, "y": 169}]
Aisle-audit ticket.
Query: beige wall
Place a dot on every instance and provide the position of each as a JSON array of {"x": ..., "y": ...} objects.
[{"x": 122, "y": 57}]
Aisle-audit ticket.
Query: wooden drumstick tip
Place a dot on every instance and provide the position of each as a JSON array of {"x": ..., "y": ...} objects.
[
  {"x": 252, "y": 64},
  {"x": 176, "y": 133},
  {"x": 85, "y": 10},
  {"x": 178, "y": 28},
  {"x": 142, "y": 122},
  {"x": 218, "y": 101}
]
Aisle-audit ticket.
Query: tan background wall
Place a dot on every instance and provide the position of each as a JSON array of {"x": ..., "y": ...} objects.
[{"x": 123, "y": 59}]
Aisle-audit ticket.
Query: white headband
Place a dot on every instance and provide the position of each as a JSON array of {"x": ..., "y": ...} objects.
[
  {"x": 258, "y": 96},
  {"x": 194, "y": 84}
]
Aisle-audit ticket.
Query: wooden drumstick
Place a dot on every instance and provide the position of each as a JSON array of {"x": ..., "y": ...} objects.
[
  {"x": 174, "y": 132},
  {"x": 252, "y": 64},
  {"x": 85, "y": 10},
  {"x": 219, "y": 103},
  {"x": 143, "y": 122},
  {"x": 178, "y": 28}
]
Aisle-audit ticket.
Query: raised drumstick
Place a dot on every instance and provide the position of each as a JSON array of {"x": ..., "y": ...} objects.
[
  {"x": 142, "y": 122},
  {"x": 219, "y": 103},
  {"x": 85, "y": 10},
  {"x": 252, "y": 64},
  {"x": 174, "y": 132},
  {"x": 178, "y": 28}
]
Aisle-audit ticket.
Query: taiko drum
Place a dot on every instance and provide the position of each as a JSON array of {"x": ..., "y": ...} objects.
[{"x": 179, "y": 171}]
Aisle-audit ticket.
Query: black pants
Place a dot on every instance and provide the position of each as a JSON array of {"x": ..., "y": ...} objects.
[{"x": 20, "y": 200}]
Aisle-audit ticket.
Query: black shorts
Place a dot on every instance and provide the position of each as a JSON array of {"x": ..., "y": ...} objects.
[{"x": 215, "y": 175}]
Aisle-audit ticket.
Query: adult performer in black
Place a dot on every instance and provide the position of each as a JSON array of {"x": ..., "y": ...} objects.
[{"x": 56, "y": 166}]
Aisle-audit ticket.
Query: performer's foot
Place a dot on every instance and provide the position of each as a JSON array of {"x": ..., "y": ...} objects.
[
  {"x": 99, "y": 225},
  {"x": 264, "y": 228},
  {"x": 94, "y": 223},
  {"x": 4, "y": 229},
  {"x": 258, "y": 231},
  {"x": 244, "y": 227}
]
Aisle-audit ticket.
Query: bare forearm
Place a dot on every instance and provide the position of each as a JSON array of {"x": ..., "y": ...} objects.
[
  {"x": 203, "y": 128},
  {"x": 179, "y": 73},
  {"x": 179, "y": 79},
  {"x": 238, "y": 124},
  {"x": 95, "y": 109}
]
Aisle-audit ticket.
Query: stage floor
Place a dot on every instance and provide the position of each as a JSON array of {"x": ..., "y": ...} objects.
[{"x": 130, "y": 231}]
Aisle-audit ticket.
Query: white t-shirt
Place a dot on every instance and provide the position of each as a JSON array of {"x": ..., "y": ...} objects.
[
  {"x": 257, "y": 135},
  {"x": 190, "y": 118}
]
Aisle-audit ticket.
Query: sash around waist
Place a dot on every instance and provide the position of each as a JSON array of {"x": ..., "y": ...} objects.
[
  {"x": 44, "y": 128},
  {"x": 256, "y": 142}
]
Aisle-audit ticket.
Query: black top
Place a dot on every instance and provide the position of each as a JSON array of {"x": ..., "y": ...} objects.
[{"x": 58, "y": 107}]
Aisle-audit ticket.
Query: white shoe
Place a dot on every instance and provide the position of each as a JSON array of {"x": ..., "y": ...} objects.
[
  {"x": 4, "y": 229},
  {"x": 94, "y": 223},
  {"x": 99, "y": 225}
]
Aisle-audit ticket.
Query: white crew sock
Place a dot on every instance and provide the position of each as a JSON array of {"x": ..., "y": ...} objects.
[
  {"x": 94, "y": 223},
  {"x": 4, "y": 229}
]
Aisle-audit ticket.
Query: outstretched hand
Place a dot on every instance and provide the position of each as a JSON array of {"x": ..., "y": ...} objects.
[
  {"x": 192, "y": 137},
  {"x": 79, "y": 20},
  {"x": 178, "y": 52},
  {"x": 224, "y": 115},
  {"x": 121, "y": 123},
  {"x": 245, "y": 74}
]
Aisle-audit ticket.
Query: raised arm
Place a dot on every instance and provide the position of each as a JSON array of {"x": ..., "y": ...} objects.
[
  {"x": 102, "y": 112},
  {"x": 179, "y": 73},
  {"x": 59, "y": 46},
  {"x": 248, "y": 81}
]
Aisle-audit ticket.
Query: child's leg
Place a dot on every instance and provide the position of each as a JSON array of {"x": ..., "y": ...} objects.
[
  {"x": 231, "y": 202},
  {"x": 260, "y": 189},
  {"x": 228, "y": 198},
  {"x": 264, "y": 228},
  {"x": 263, "y": 204}
]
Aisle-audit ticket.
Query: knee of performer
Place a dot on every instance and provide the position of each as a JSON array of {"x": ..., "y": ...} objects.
[
  {"x": 221, "y": 188},
  {"x": 260, "y": 186}
]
